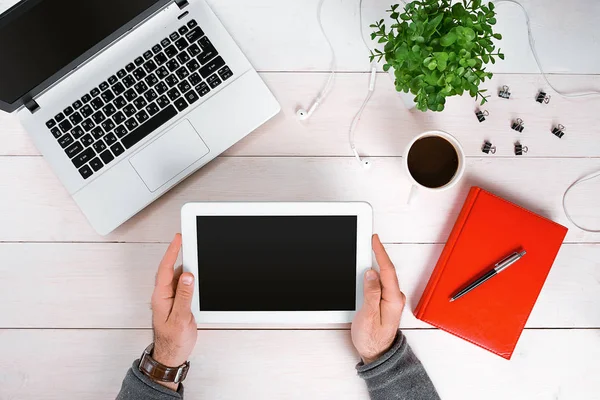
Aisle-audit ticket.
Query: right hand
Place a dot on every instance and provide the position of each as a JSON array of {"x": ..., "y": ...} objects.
[
  {"x": 375, "y": 325},
  {"x": 175, "y": 329}
]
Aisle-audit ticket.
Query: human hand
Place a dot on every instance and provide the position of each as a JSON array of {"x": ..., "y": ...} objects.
[
  {"x": 375, "y": 325},
  {"x": 175, "y": 329}
]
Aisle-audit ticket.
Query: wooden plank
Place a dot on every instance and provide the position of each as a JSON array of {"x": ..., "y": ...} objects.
[
  {"x": 111, "y": 285},
  {"x": 387, "y": 126},
  {"x": 548, "y": 364},
  {"x": 39, "y": 209}
]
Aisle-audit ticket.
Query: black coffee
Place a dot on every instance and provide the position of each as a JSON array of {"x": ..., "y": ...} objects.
[{"x": 433, "y": 161}]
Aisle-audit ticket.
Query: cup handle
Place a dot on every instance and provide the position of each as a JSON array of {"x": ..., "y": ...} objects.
[{"x": 412, "y": 196}]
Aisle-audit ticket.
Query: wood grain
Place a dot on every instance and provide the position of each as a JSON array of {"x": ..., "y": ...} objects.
[
  {"x": 316, "y": 365},
  {"x": 387, "y": 126},
  {"x": 109, "y": 285},
  {"x": 41, "y": 210}
]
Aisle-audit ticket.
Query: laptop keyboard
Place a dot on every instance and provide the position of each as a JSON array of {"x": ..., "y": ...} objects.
[{"x": 141, "y": 97}]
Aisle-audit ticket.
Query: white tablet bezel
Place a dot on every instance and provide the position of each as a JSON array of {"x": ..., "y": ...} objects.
[{"x": 362, "y": 211}]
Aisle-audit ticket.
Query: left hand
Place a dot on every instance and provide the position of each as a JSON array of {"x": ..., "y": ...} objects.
[{"x": 175, "y": 329}]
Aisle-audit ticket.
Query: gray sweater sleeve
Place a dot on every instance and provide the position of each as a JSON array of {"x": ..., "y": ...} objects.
[
  {"x": 137, "y": 386},
  {"x": 398, "y": 374}
]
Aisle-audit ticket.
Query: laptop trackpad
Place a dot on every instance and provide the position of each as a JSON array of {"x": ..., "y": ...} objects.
[{"x": 169, "y": 155}]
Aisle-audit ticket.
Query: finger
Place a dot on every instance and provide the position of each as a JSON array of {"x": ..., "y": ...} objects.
[
  {"x": 389, "y": 279},
  {"x": 164, "y": 287},
  {"x": 372, "y": 294},
  {"x": 182, "y": 305}
]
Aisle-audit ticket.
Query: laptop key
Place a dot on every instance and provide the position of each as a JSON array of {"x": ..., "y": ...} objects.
[
  {"x": 150, "y": 66},
  {"x": 113, "y": 79},
  {"x": 161, "y": 88},
  {"x": 195, "y": 79},
  {"x": 171, "y": 51},
  {"x": 56, "y": 132},
  {"x": 225, "y": 73},
  {"x": 160, "y": 59},
  {"x": 87, "y": 125},
  {"x": 202, "y": 89},
  {"x": 129, "y": 81},
  {"x": 148, "y": 55},
  {"x": 108, "y": 96},
  {"x": 97, "y": 103},
  {"x": 214, "y": 81},
  {"x": 165, "y": 42},
  {"x": 103, "y": 86},
  {"x": 162, "y": 101},
  {"x": 119, "y": 117},
  {"x": 65, "y": 126},
  {"x": 99, "y": 146},
  {"x": 151, "y": 80},
  {"x": 172, "y": 65},
  {"x": 182, "y": 73},
  {"x": 51, "y": 124},
  {"x": 129, "y": 110},
  {"x": 207, "y": 55},
  {"x": 174, "y": 36},
  {"x": 109, "y": 110},
  {"x": 181, "y": 44},
  {"x": 211, "y": 67},
  {"x": 121, "y": 131},
  {"x": 86, "y": 98},
  {"x": 121, "y": 74},
  {"x": 99, "y": 117},
  {"x": 194, "y": 34},
  {"x": 87, "y": 140},
  {"x": 153, "y": 109},
  {"x": 173, "y": 94},
  {"x": 84, "y": 157},
  {"x": 130, "y": 95},
  {"x": 194, "y": 50},
  {"x": 142, "y": 116},
  {"x": 118, "y": 88},
  {"x": 191, "y": 97},
  {"x": 95, "y": 92},
  {"x": 117, "y": 149},
  {"x": 59, "y": 117},
  {"x": 110, "y": 139},
  {"x": 139, "y": 61},
  {"x": 120, "y": 102},
  {"x": 140, "y": 103},
  {"x": 141, "y": 87},
  {"x": 150, "y": 126},
  {"x": 74, "y": 149},
  {"x": 65, "y": 140},
  {"x": 77, "y": 104},
  {"x": 156, "y": 49},
  {"x": 106, "y": 157},
  {"x": 76, "y": 118},
  {"x": 183, "y": 57},
  {"x": 171, "y": 80},
  {"x": 139, "y": 73},
  {"x": 162, "y": 72},
  {"x": 181, "y": 104},
  {"x": 77, "y": 132},
  {"x": 130, "y": 67},
  {"x": 150, "y": 95},
  {"x": 86, "y": 111},
  {"x": 96, "y": 164},
  {"x": 192, "y": 24},
  {"x": 86, "y": 172},
  {"x": 131, "y": 124},
  {"x": 183, "y": 30},
  {"x": 68, "y": 111},
  {"x": 97, "y": 132},
  {"x": 193, "y": 65},
  {"x": 184, "y": 86},
  {"x": 108, "y": 125}
]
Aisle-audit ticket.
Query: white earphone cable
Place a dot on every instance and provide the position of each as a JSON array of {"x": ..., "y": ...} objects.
[
  {"x": 537, "y": 58},
  {"x": 333, "y": 65},
  {"x": 564, "y": 200}
]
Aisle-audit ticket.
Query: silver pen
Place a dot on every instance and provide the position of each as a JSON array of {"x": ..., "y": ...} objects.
[{"x": 499, "y": 267}]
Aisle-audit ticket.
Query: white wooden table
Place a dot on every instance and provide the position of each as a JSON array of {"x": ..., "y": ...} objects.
[{"x": 74, "y": 306}]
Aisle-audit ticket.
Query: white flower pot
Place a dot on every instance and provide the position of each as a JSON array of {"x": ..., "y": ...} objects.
[{"x": 407, "y": 98}]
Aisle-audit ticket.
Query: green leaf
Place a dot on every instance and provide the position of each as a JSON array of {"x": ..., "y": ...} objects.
[
  {"x": 501, "y": 56},
  {"x": 468, "y": 34},
  {"x": 386, "y": 67},
  {"x": 416, "y": 48},
  {"x": 404, "y": 17},
  {"x": 492, "y": 6},
  {"x": 440, "y": 107},
  {"x": 493, "y": 60},
  {"x": 497, "y": 36},
  {"x": 373, "y": 36},
  {"x": 485, "y": 58},
  {"x": 382, "y": 40},
  {"x": 394, "y": 15},
  {"x": 476, "y": 4},
  {"x": 492, "y": 21},
  {"x": 434, "y": 23},
  {"x": 471, "y": 62},
  {"x": 441, "y": 56},
  {"x": 442, "y": 65},
  {"x": 432, "y": 65},
  {"x": 395, "y": 7},
  {"x": 448, "y": 39}
]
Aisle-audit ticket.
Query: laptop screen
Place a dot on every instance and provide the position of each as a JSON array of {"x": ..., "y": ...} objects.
[{"x": 41, "y": 37}]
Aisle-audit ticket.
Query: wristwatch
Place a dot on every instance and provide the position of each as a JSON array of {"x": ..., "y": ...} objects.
[{"x": 159, "y": 372}]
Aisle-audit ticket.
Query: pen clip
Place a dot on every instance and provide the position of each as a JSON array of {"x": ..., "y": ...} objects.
[{"x": 506, "y": 259}]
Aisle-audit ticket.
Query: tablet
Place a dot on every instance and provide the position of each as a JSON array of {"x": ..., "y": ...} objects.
[{"x": 276, "y": 263}]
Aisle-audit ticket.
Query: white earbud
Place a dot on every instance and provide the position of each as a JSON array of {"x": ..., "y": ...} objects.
[
  {"x": 303, "y": 115},
  {"x": 365, "y": 163}
]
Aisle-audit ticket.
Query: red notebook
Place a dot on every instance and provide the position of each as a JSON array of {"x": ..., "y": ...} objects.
[{"x": 494, "y": 314}]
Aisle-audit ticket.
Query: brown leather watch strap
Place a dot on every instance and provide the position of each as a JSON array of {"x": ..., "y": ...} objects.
[{"x": 159, "y": 372}]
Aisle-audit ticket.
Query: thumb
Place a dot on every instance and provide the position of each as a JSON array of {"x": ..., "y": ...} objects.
[
  {"x": 182, "y": 305},
  {"x": 372, "y": 291}
]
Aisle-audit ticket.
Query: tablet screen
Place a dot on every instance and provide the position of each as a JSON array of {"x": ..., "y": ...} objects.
[{"x": 277, "y": 263}]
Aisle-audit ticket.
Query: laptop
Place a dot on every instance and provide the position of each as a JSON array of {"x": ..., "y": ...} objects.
[{"x": 125, "y": 99}]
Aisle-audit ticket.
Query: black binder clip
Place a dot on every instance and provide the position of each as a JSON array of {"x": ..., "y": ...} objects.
[
  {"x": 520, "y": 149},
  {"x": 518, "y": 125},
  {"x": 559, "y": 131},
  {"x": 542, "y": 98},
  {"x": 488, "y": 148},
  {"x": 504, "y": 92},
  {"x": 481, "y": 115}
]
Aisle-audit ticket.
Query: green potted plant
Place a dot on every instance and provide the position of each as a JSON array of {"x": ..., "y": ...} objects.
[{"x": 436, "y": 49}]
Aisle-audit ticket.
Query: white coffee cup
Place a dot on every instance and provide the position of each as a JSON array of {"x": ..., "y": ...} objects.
[{"x": 460, "y": 170}]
